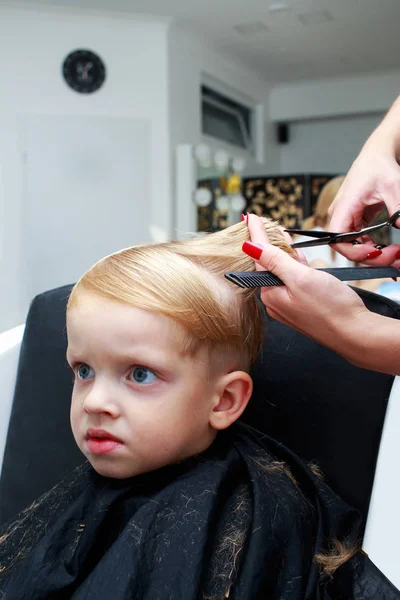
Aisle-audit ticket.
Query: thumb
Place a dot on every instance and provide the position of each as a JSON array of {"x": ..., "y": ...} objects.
[
  {"x": 346, "y": 213},
  {"x": 273, "y": 259}
]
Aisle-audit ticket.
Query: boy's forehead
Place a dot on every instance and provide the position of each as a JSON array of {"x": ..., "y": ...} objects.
[{"x": 93, "y": 317}]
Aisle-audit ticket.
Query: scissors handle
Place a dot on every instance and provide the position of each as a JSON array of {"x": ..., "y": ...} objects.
[{"x": 393, "y": 219}]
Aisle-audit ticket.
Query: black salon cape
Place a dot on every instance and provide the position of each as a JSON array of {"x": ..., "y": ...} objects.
[{"x": 230, "y": 523}]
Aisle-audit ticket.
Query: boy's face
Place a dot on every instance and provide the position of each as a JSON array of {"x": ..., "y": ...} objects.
[{"x": 138, "y": 402}]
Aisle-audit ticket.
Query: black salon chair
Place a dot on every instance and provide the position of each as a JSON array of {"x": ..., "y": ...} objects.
[{"x": 323, "y": 408}]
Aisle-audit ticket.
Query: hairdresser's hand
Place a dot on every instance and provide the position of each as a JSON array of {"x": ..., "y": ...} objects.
[
  {"x": 372, "y": 182},
  {"x": 312, "y": 302}
]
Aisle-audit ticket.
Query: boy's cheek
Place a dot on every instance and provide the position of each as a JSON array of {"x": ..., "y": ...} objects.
[{"x": 75, "y": 413}]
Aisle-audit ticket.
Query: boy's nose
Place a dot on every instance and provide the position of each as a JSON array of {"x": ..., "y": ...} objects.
[{"x": 100, "y": 401}]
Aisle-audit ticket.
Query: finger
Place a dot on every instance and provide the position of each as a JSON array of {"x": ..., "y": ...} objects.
[
  {"x": 342, "y": 219},
  {"x": 270, "y": 257},
  {"x": 390, "y": 193},
  {"x": 258, "y": 235},
  {"x": 357, "y": 250},
  {"x": 368, "y": 254},
  {"x": 389, "y": 255},
  {"x": 300, "y": 253},
  {"x": 396, "y": 264},
  {"x": 351, "y": 211},
  {"x": 301, "y": 256},
  {"x": 256, "y": 227},
  {"x": 286, "y": 235}
]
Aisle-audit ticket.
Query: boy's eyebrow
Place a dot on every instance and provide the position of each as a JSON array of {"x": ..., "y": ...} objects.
[
  {"x": 68, "y": 354},
  {"x": 127, "y": 356}
]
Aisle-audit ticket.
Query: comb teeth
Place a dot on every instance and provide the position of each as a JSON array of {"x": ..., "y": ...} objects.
[{"x": 254, "y": 280}]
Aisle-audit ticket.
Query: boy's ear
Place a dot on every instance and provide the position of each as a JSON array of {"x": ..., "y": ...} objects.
[{"x": 233, "y": 393}]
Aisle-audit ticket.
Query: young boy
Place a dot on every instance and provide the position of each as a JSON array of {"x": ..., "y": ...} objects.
[{"x": 177, "y": 501}]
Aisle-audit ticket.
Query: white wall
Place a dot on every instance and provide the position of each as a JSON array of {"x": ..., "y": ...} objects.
[
  {"x": 330, "y": 119},
  {"x": 154, "y": 73},
  {"x": 33, "y": 44},
  {"x": 190, "y": 61},
  {"x": 326, "y": 145},
  {"x": 334, "y": 97}
]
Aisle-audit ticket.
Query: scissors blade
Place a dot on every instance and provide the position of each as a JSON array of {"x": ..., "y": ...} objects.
[
  {"x": 310, "y": 233},
  {"x": 337, "y": 238},
  {"x": 320, "y": 242},
  {"x": 353, "y": 235},
  {"x": 329, "y": 237}
]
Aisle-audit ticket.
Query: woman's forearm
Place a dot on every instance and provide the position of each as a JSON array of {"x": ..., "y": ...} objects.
[
  {"x": 386, "y": 137},
  {"x": 372, "y": 342}
]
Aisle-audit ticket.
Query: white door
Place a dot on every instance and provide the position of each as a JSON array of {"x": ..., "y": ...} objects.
[{"x": 86, "y": 190}]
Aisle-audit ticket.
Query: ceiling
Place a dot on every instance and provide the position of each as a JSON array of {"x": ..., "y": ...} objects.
[{"x": 282, "y": 40}]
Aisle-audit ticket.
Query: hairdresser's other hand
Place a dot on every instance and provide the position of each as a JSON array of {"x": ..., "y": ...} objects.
[
  {"x": 372, "y": 182},
  {"x": 312, "y": 302}
]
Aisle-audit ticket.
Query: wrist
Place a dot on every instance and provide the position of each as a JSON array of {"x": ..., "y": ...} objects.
[
  {"x": 382, "y": 143},
  {"x": 385, "y": 139},
  {"x": 372, "y": 343}
]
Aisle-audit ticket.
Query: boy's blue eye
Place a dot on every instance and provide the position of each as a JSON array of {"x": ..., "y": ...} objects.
[
  {"x": 84, "y": 371},
  {"x": 142, "y": 375}
]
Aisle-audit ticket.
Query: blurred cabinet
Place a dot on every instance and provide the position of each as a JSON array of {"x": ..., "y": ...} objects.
[{"x": 285, "y": 198}]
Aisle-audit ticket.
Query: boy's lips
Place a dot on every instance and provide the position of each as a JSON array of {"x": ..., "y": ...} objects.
[
  {"x": 101, "y": 434},
  {"x": 99, "y": 441}
]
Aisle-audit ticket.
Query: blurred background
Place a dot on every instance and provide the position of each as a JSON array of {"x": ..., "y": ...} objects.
[{"x": 127, "y": 121}]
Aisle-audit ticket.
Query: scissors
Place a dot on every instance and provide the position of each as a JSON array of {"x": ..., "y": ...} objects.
[{"x": 324, "y": 238}]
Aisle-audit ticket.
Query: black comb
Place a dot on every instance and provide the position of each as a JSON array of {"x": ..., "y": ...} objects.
[{"x": 254, "y": 279}]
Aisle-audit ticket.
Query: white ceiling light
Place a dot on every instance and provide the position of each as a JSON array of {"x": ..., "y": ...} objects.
[
  {"x": 202, "y": 196},
  {"x": 203, "y": 155},
  {"x": 222, "y": 203},
  {"x": 251, "y": 28},
  {"x": 239, "y": 164},
  {"x": 315, "y": 17},
  {"x": 277, "y": 7},
  {"x": 221, "y": 160},
  {"x": 238, "y": 203}
]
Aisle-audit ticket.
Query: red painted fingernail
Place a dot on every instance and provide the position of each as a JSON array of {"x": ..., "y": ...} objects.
[
  {"x": 245, "y": 217},
  {"x": 252, "y": 250},
  {"x": 397, "y": 255},
  {"x": 373, "y": 254}
]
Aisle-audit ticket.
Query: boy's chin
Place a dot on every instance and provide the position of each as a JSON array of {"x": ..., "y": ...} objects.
[
  {"x": 113, "y": 471},
  {"x": 123, "y": 467},
  {"x": 118, "y": 469}
]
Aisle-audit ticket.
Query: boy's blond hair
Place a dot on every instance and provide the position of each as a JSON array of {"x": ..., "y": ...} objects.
[{"x": 185, "y": 281}]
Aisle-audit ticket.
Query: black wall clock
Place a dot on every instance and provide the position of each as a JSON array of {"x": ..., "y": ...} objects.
[{"x": 84, "y": 71}]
